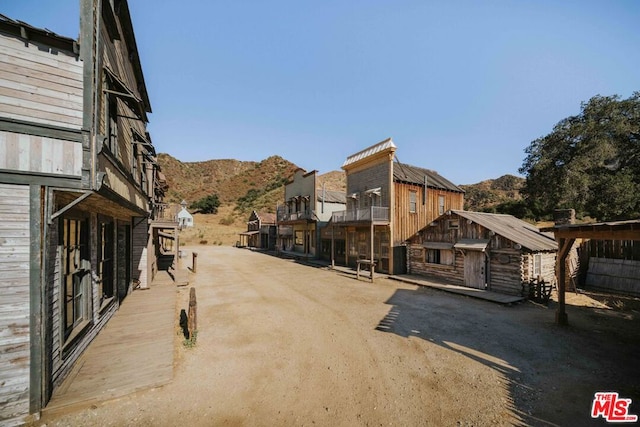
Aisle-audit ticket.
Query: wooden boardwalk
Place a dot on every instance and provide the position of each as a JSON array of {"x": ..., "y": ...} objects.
[
  {"x": 457, "y": 289},
  {"x": 133, "y": 352}
]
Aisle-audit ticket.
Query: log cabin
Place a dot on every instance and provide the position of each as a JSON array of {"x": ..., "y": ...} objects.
[
  {"x": 486, "y": 251},
  {"x": 81, "y": 196},
  {"x": 387, "y": 202}
]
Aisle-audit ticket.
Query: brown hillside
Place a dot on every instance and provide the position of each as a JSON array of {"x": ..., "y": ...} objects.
[
  {"x": 334, "y": 180},
  {"x": 491, "y": 192},
  {"x": 228, "y": 178}
]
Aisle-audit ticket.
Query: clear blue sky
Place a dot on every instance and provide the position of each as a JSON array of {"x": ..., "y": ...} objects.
[{"x": 462, "y": 87}]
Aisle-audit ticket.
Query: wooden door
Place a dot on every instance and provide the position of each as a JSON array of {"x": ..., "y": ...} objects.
[{"x": 474, "y": 265}]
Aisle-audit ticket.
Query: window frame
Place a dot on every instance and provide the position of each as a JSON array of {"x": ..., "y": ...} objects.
[
  {"x": 73, "y": 240},
  {"x": 413, "y": 201}
]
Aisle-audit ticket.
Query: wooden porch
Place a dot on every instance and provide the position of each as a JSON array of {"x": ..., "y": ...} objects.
[{"x": 133, "y": 352}]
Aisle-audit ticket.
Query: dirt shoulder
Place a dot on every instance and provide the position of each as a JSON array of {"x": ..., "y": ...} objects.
[{"x": 281, "y": 343}]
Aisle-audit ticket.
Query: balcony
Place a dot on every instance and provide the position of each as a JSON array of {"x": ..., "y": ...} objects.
[
  {"x": 294, "y": 216},
  {"x": 162, "y": 213},
  {"x": 370, "y": 214}
]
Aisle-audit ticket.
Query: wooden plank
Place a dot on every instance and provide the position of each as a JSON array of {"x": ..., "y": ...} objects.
[
  {"x": 152, "y": 311},
  {"x": 40, "y": 116},
  {"x": 14, "y": 48},
  {"x": 43, "y": 74},
  {"x": 61, "y": 101}
]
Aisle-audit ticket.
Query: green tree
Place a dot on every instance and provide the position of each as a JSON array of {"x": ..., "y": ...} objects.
[
  {"x": 590, "y": 162},
  {"x": 207, "y": 205}
]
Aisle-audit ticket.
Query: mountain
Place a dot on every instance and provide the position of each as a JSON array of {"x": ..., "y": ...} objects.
[
  {"x": 248, "y": 185},
  {"x": 487, "y": 195},
  {"x": 245, "y": 185}
]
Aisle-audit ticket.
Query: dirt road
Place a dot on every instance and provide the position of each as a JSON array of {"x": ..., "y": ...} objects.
[{"x": 281, "y": 343}]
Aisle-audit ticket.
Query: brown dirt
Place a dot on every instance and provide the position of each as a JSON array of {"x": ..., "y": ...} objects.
[{"x": 281, "y": 343}]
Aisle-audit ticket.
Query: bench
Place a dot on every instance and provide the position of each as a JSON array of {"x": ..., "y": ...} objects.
[{"x": 370, "y": 263}]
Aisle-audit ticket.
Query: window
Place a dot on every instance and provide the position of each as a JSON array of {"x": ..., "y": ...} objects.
[
  {"x": 537, "y": 265},
  {"x": 111, "y": 119},
  {"x": 440, "y": 205},
  {"x": 134, "y": 161},
  {"x": 453, "y": 224},
  {"x": 299, "y": 237},
  {"x": 105, "y": 260},
  {"x": 413, "y": 197},
  {"x": 439, "y": 256},
  {"x": 74, "y": 240},
  {"x": 432, "y": 256}
]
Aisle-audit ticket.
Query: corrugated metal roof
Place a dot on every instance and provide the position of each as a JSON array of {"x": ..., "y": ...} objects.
[
  {"x": 374, "y": 149},
  {"x": 512, "y": 228},
  {"x": 415, "y": 175},
  {"x": 331, "y": 196}
]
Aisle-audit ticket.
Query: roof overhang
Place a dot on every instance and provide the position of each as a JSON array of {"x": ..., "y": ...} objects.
[
  {"x": 472, "y": 244},
  {"x": 438, "y": 245}
]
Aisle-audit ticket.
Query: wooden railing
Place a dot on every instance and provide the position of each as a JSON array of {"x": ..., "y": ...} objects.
[
  {"x": 372, "y": 213},
  {"x": 293, "y": 216}
]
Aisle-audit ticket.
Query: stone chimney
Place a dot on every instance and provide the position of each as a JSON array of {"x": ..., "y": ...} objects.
[{"x": 564, "y": 216}]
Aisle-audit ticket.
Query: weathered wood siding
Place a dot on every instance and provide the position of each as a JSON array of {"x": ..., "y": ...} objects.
[
  {"x": 614, "y": 275},
  {"x": 40, "y": 85},
  {"x": 453, "y": 273},
  {"x": 508, "y": 266},
  {"x": 408, "y": 223},
  {"x": 14, "y": 303},
  {"x": 30, "y": 153},
  {"x": 65, "y": 354},
  {"x": 144, "y": 263},
  {"x": 373, "y": 176},
  {"x": 116, "y": 57}
]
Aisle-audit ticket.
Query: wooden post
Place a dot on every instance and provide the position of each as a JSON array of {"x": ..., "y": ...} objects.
[
  {"x": 192, "y": 318},
  {"x": 564, "y": 246},
  {"x": 333, "y": 260},
  {"x": 371, "y": 257},
  {"x": 194, "y": 262}
]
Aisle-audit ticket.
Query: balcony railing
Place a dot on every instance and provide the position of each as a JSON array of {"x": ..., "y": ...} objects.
[
  {"x": 294, "y": 216},
  {"x": 373, "y": 213}
]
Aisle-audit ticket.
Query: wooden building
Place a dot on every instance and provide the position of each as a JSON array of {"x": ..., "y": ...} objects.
[
  {"x": 306, "y": 210},
  {"x": 387, "y": 202},
  {"x": 620, "y": 231},
  {"x": 79, "y": 193},
  {"x": 261, "y": 231},
  {"x": 495, "y": 252}
]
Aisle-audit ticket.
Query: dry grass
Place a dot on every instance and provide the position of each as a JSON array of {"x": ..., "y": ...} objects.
[{"x": 219, "y": 229}]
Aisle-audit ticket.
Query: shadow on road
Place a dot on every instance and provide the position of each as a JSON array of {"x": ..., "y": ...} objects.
[{"x": 551, "y": 372}]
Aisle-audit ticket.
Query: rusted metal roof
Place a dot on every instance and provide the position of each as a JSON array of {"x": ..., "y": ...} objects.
[
  {"x": 415, "y": 175},
  {"x": 512, "y": 228},
  {"x": 374, "y": 149}
]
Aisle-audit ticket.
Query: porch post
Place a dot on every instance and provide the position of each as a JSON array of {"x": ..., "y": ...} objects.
[{"x": 561, "y": 269}]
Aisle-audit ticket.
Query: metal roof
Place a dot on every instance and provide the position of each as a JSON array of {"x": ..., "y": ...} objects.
[
  {"x": 472, "y": 244},
  {"x": 415, "y": 175},
  {"x": 374, "y": 149},
  {"x": 512, "y": 228},
  {"x": 331, "y": 196}
]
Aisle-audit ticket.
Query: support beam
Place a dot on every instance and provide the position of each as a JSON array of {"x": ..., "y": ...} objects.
[{"x": 564, "y": 245}]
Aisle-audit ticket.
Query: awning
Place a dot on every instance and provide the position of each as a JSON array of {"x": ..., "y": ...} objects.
[
  {"x": 472, "y": 244},
  {"x": 249, "y": 233},
  {"x": 125, "y": 93},
  {"x": 438, "y": 245}
]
